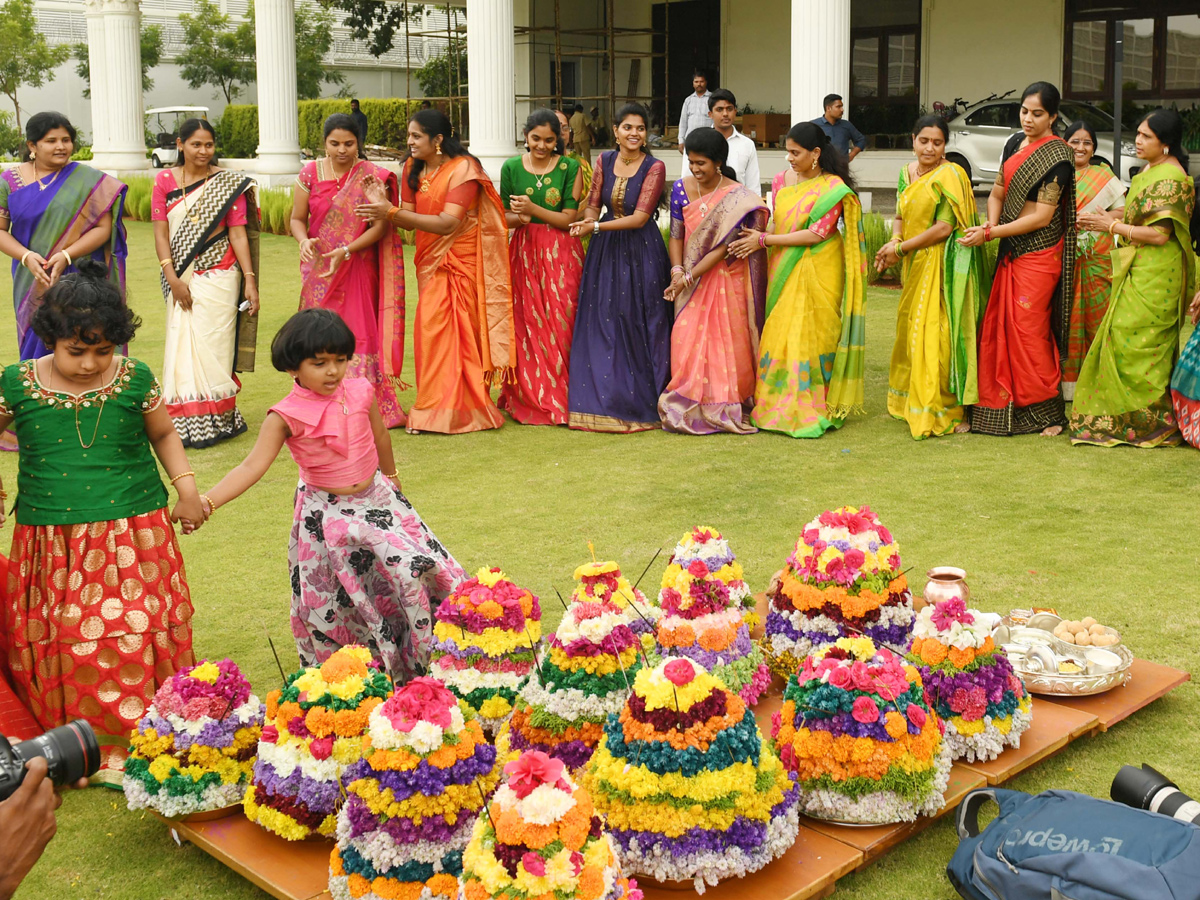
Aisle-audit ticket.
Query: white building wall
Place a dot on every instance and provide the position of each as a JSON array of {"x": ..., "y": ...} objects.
[{"x": 756, "y": 53}]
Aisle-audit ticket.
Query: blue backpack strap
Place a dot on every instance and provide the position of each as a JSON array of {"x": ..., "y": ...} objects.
[{"x": 967, "y": 819}]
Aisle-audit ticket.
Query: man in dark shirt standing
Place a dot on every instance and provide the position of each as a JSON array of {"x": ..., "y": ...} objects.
[
  {"x": 360, "y": 119},
  {"x": 841, "y": 133}
]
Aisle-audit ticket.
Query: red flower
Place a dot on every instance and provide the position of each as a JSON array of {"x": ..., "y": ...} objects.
[
  {"x": 270, "y": 734},
  {"x": 894, "y": 562},
  {"x": 422, "y": 699},
  {"x": 530, "y": 771},
  {"x": 697, "y": 568},
  {"x": 321, "y": 748},
  {"x": 679, "y": 672},
  {"x": 865, "y": 710},
  {"x": 811, "y": 536},
  {"x": 576, "y": 862},
  {"x": 534, "y": 864},
  {"x": 916, "y": 715},
  {"x": 839, "y": 677},
  {"x": 855, "y": 558}
]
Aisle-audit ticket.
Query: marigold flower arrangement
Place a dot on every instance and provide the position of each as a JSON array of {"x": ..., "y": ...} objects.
[
  {"x": 971, "y": 686},
  {"x": 484, "y": 643},
  {"x": 603, "y": 581},
  {"x": 685, "y": 783},
  {"x": 412, "y": 798},
  {"x": 582, "y": 677},
  {"x": 540, "y": 839},
  {"x": 842, "y": 579},
  {"x": 858, "y": 735},
  {"x": 703, "y": 599},
  {"x": 193, "y": 750},
  {"x": 315, "y": 727}
]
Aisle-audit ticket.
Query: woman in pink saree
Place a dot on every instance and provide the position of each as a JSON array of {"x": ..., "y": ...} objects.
[
  {"x": 720, "y": 300},
  {"x": 354, "y": 268}
]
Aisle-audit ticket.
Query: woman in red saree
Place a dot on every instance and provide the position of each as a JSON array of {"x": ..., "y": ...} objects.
[
  {"x": 354, "y": 268},
  {"x": 1024, "y": 337},
  {"x": 463, "y": 338}
]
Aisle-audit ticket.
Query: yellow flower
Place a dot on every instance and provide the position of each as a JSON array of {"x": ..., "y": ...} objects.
[
  {"x": 206, "y": 672},
  {"x": 660, "y": 693},
  {"x": 348, "y": 689},
  {"x": 488, "y": 577},
  {"x": 592, "y": 569},
  {"x": 494, "y": 642},
  {"x": 162, "y": 767},
  {"x": 495, "y": 707}
]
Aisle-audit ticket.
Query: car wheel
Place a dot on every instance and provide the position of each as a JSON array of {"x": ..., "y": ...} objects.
[
  {"x": 155, "y": 161},
  {"x": 960, "y": 160}
]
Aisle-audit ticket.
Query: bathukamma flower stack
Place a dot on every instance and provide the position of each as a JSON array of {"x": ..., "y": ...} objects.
[
  {"x": 843, "y": 579},
  {"x": 583, "y": 676},
  {"x": 704, "y": 613},
  {"x": 541, "y": 840},
  {"x": 685, "y": 783},
  {"x": 412, "y": 798},
  {"x": 193, "y": 750},
  {"x": 603, "y": 581},
  {"x": 856, "y": 732},
  {"x": 484, "y": 643},
  {"x": 971, "y": 686},
  {"x": 315, "y": 729}
]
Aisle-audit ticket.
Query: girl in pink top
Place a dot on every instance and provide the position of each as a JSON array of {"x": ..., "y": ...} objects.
[{"x": 365, "y": 568}]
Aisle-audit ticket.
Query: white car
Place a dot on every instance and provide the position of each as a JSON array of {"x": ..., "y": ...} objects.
[
  {"x": 978, "y": 134},
  {"x": 163, "y": 153}
]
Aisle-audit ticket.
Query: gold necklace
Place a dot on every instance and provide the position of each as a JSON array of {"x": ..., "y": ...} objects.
[
  {"x": 629, "y": 162},
  {"x": 544, "y": 176},
  {"x": 922, "y": 174},
  {"x": 78, "y": 403},
  {"x": 703, "y": 202},
  {"x": 427, "y": 177},
  {"x": 194, "y": 216},
  {"x": 42, "y": 187}
]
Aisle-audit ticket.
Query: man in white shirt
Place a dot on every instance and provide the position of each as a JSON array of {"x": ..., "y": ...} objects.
[
  {"x": 695, "y": 111},
  {"x": 743, "y": 154}
]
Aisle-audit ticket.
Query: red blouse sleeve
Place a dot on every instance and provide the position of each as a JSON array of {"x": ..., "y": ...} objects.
[
  {"x": 407, "y": 194},
  {"x": 308, "y": 175},
  {"x": 652, "y": 188},
  {"x": 593, "y": 198},
  {"x": 464, "y": 195},
  {"x": 827, "y": 224},
  {"x": 163, "y": 185},
  {"x": 237, "y": 214}
]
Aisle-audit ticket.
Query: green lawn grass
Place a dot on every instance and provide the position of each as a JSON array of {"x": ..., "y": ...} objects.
[{"x": 1107, "y": 533}]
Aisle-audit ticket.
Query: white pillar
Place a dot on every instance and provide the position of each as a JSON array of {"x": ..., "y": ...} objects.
[
  {"x": 824, "y": 26},
  {"x": 278, "y": 115},
  {"x": 115, "y": 65},
  {"x": 490, "y": 76}
]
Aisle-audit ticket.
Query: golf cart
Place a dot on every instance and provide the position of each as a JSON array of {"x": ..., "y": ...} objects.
[{"x": 167, "y": 120}]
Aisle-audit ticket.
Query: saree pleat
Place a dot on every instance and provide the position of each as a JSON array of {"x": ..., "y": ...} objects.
[
  {"x": 366, "y": 290},
  {"x": 811, "y": 355},
  {"x": 933, "y": 370},
  {"x": 463, "y": 338},
  {"x": 714, "y": 341},
  {"x": 1123, "y": 394}
]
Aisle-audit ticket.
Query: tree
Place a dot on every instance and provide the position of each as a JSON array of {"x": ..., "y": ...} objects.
[
  {"x": 217, "y": 55},
  {"x": 314, "y": 37},
  {"x": 151, "y": 44},
  {"x": 26, "y": 57},
  {"x": 375, "y": 20},
  {"x": 444, "y": 75}
]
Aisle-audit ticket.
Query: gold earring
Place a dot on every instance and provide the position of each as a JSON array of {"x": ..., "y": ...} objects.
[
  {"x": 814, "y": 165},
  {"x": 32, "y": 155},
  {"x": 439, "y": 149}
]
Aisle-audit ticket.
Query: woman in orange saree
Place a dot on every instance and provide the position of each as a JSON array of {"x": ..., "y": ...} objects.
[
  {"x": 1097, "y": 190},
  {"x": 353, "y": 268},
  {"x": 1032, "y": 210},
  {"x": 463, "y": 337}
]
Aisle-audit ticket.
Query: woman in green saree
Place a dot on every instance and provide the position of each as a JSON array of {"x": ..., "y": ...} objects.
[{"x": 1123, "y": 393}]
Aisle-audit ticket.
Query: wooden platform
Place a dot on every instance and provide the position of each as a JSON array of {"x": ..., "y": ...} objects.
[
  {"x": 1054, "y": 726},
  {"x": 1149, "y": 682}
]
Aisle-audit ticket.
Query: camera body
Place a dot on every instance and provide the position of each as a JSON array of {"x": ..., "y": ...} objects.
[{"x": 71, "y": 752}]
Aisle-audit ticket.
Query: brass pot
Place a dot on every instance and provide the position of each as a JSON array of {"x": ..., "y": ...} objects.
[{"x": 946, "y": 583}]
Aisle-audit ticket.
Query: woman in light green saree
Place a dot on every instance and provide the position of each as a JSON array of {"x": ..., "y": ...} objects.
[{"x": 1123, "y": 393}]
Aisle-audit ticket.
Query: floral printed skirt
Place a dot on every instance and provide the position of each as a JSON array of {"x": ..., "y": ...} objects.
[{"x": 366, "y": 570}]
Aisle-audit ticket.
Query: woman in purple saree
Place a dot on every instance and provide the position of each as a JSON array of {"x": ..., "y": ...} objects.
[{"x": 53, "y": 212}]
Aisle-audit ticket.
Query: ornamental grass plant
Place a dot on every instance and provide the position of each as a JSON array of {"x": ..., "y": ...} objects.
[{"x": 1034, "y": 521}]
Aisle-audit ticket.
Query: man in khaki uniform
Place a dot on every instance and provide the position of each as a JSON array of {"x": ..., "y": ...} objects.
[{"x": 582, "y": 132}]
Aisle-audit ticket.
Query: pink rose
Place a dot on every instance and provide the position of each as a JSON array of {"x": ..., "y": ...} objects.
[
  {"x": 865, "y": 710},
  {"x": 531, "y": 770},
  {"x": 534, "y": 864},
  {"x": 697, "y": 568},
  {"x": 886, "y": 537},
  {"x": 855, "y": 558},
  {"x": 422, "y": 699},
  {"x": 321, "y": 748},
  {"x": 916, "y": 715},
  {"x": 861, "y": 676},
  {"x": 811, "y": 536},
  {"x": 839, "y": 677},
  {"x": 270, "y": 734},
  {"x": 679, "y": 672}
]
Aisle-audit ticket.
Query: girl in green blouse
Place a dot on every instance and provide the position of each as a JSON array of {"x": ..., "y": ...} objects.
[{"x": 97, "y": 613}]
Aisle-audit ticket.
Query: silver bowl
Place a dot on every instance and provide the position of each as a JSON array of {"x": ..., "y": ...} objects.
[{"x": 1079, "y": 685}]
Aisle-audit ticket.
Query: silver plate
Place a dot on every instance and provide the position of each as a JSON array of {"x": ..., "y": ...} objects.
[
  {"x": 1082, "y": 685},
  {"x": 852, "y": 823}
]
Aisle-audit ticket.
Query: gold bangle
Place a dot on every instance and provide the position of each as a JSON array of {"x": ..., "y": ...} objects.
[
  {"x": 249, "y": 275},
  {"x": 163, "y": 263},
  {"x": 183, "y": 475},
  {"x": 25, "y": 256},
  {"x": 1111, "y": 226},
  {"x": 68, "y": 257},
  {"x": 212, "y": 507},
  {"x": 393, "y": 475}
]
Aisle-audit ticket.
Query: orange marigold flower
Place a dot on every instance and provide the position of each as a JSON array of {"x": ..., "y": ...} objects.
[
  {"x": 717, "y": 639},
  {"x": 443, "y": 885},
  {"x": 988, "y": 645},
  {"x": 896, "y": 725},
  {"x": 490, "y": 609},
  {"x": 933, "y": 652},
  {"x": 341, "y": 666},
  {"x": 961, "y": 657},
  {"x": 319, "y": 721},
  {"x": 591, "y": 884},
  {"x": 335, "y": 863},
  {"x": 474, "y": 890},
  {"x": 358, "y": 885}
]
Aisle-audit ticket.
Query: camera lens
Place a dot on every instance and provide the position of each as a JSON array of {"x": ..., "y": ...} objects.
[
  {"x": 71, "y": 752},
  {"x": 1147, "y": 788}
]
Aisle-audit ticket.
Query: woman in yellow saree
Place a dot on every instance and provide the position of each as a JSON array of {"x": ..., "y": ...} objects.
[
  {"x": 1124, "y": 391},
  {"x": 933, "y": 370},
  {"x": 810, "y": 365}
]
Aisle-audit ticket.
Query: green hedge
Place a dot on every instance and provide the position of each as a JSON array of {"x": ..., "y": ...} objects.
[{"x": 387, "y": 124}]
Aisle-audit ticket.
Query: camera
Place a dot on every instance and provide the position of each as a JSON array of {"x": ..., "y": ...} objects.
[
  {"x": 1147, "y": 788},
  {"x": 71, "y": 751}
]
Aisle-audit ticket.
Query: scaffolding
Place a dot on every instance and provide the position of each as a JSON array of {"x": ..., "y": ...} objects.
[
  {"x": 455, "y": 35},
  {"x": 609, "y": 53}
]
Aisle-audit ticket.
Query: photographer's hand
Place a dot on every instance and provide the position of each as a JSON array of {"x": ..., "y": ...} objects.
[{"x": 26, "y": 826}]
